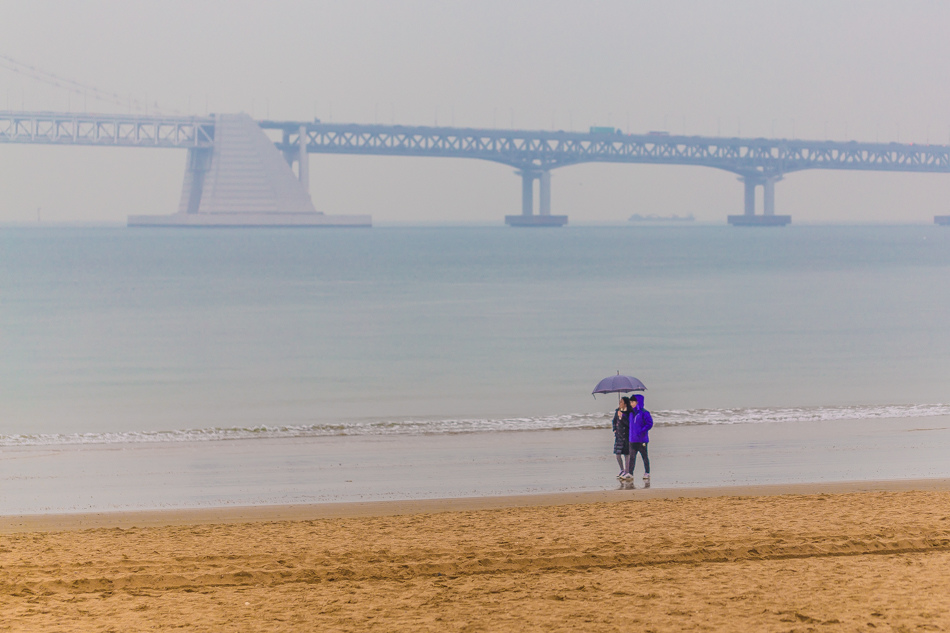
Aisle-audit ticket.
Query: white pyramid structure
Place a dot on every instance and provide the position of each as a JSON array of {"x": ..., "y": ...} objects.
[{"x": 244, "y": 181}]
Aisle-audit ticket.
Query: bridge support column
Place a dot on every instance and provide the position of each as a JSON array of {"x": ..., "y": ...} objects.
[
  {"x": 197, "y": 165},
  {"x": 528, "y": 217},
  {"x": 750, "y": 185},
  {"x": 768, "y": 196},
  {"x": 544, "y": 193},
  {"x": 303, "y": 159},
  {"x": 300, "y": 156},
  {"x": 527, "y": 193},
  {"x": 768, "y": 217},
  {"x": 289, "y": 155}
]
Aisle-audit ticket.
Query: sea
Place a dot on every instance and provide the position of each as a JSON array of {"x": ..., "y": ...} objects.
[{"x": 121, "y": 335}]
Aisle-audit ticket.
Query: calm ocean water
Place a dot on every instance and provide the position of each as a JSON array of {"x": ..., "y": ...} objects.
[{"x": 116, "y": 335}]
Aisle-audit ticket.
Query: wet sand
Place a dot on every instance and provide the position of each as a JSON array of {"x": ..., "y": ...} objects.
[
  {"x": 776, "y": 558},
  {"x": 320, "y": 470}
]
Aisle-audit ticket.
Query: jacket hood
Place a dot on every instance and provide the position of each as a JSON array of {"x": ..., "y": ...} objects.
[{"x": 639, "y": 399}]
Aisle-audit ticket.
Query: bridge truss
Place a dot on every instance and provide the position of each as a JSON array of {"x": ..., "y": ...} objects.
[
  {"x": 113, "y": 130},
  {"x": 541, "y": 150}
]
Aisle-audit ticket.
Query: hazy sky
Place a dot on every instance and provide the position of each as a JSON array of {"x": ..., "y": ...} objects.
[{"x": 839, "y": 70}]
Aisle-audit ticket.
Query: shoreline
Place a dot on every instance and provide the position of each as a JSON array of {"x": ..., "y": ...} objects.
[
  {"x": 331, "y": 471},
  {"x": 224, "y": 515}
]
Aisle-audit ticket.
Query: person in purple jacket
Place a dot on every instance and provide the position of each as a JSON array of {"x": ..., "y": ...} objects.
[{"x": 640, "y": 424}]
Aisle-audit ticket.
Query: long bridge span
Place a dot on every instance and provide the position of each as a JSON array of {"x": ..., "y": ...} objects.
[{"x": 220, "y": 177}]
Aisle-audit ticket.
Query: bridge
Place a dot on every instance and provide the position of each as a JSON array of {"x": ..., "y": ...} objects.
[{"x": 217, "y": 144}]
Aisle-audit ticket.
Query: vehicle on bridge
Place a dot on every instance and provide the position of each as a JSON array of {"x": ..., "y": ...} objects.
[{"x": 597, "y": 129}]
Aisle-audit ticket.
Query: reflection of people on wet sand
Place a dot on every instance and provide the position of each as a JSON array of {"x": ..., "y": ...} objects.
[
  {"x": 640, "y": 424},
  {"x": 630, "y": 484},
  {"x": 621, "y": 426}
]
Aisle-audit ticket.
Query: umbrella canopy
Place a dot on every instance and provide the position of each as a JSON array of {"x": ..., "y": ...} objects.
[{"x": 618, "y": 384}]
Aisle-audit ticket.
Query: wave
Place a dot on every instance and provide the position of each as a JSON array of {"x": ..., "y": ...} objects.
[
  {"x": 800, "y": 414},
  {"x": 673, "y": 417}
]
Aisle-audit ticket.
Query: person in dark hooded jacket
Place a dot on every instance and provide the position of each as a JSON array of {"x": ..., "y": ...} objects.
[
  {"x": 640, "y": 424},
  {"x": 621, "y": 426}
]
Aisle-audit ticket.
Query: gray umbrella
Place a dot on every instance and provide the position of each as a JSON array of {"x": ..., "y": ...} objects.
[{"x": 618, "y": 384}]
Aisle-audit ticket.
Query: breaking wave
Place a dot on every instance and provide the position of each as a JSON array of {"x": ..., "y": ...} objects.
[{"x": 674, "y": 417}]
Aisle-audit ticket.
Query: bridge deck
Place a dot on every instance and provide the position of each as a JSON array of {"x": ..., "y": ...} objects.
[
  {"x": 541, "y": 150},
  {"x": 60, "y": 128},
  {"x": 533, "y": 150}
]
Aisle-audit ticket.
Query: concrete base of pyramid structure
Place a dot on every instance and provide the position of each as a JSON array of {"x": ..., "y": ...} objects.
[
  {"x": 245, "y": 181},
  {"x": 249, "y": 220}
]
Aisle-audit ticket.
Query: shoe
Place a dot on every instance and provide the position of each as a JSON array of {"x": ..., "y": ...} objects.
[
  {"x": 646, "y": 476},
  {"x": 621, "y": 475},
  {"x": 628, "y": 476}
]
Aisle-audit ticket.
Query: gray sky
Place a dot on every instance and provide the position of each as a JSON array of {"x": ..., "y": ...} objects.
[{"x": 839, "y": 70}]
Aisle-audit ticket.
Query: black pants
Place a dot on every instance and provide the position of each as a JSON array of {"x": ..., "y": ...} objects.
[{"x": 639, "y": 447}]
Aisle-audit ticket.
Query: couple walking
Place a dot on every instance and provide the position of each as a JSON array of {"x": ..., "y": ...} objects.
[{"x": 632, "y": 424}]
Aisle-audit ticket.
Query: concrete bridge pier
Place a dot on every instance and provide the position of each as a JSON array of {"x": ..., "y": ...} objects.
[
  {"x": 768, "y": 195},
  {"x": 303, "y": 160},
  {"x": 527, "y": 193},
  {"x": 527, "y": 217},
  {"x": 768, "y": 217},
  {"x": 300, "y": 156},
  {"x": 196, "y": 167},
  {"x": 750, "y": 185},
  {"x": 544, "y": 193}
]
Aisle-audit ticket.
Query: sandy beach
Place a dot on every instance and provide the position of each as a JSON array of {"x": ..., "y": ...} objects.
[
  {"x": 831, "y": 526},
  {"x": 835, "y": 557}
]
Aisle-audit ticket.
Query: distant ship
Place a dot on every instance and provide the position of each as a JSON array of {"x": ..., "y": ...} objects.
[{"x": 636, "y": 217}]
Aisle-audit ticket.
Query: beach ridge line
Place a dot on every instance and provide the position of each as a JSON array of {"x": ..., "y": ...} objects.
[{"x": 105, "y": 579}]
